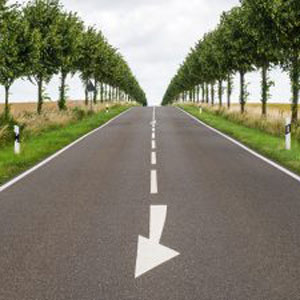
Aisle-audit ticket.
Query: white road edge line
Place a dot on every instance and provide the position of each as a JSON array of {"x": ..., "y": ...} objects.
[
  {"x": 263, "y": 158},
  {"x": 153, "y": 145},
  {"x": 153, "y": 158},
  {"x": 47, "y": 160},
  {"x": 153, "y": 185}
]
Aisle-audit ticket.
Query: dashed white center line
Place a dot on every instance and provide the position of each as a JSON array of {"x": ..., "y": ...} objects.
[
  {"x": 153, "y": 136},
  {"x": 153, "y": 158},
  {"x": 154, "y": 189},
  {"x": 153, "y": 115},
  {"x": 153, "y": 129},
  {"x": 153, "y": 145}
]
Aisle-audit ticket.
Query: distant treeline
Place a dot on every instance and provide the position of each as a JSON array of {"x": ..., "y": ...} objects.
[
  {"x": 41, "y": 39},
  {"x": 257, "y": 35}
]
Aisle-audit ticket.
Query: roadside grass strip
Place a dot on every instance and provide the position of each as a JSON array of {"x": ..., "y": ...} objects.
[
  {"x": 270, "y": 146},
  {"x": 34, "y": 149}
]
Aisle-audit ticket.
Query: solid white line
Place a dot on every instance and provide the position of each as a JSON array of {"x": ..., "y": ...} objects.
[
  {"x": 268, "y": 161},
  {"x": 47, "y": 160},
  {"x": 153, "y": 136},
  {"x": 153, "y": 158},
  {"x": 153, "y": 145},
  {"x": 153, "y": 184}
]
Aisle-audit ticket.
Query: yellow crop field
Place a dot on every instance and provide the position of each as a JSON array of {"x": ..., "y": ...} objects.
[{"x": 30, "y": 107}]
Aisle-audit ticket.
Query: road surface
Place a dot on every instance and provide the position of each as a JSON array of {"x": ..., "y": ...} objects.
[{"x": 70, "y": 229}]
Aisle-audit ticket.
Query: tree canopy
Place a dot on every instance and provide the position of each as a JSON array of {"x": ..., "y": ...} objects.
[
  {"x": 41, "y": 39},
  {"x": 258, "y": 34}
]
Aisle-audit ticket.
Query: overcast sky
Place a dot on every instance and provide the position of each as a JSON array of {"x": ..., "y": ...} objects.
[{"x": 154, "y": 36}]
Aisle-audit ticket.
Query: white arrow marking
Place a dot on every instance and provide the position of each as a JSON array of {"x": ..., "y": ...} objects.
[
  {"x": 158, "y": 215},
  {"x": 150, "y": 253}
]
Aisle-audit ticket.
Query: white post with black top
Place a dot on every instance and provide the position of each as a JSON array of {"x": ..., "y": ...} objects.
[
  {"x": 288, "y": 131},
  {"x": 17, "y": 139}
]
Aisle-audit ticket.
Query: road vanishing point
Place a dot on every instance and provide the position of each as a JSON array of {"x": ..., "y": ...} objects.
[{"x": 152, "y": 206}]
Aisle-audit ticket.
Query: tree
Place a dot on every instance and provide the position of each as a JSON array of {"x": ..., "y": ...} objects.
[
  {"x": 42, "y": 17},
  {"x": 279, "y": 31},
  {"x": 241, "y": 47},
  {"x": 17, "y": 49},
  {"x": 90, "y": 48},
  {"x": 266, "y": 54},
  {"x": 10, "y": 50},
  {"x": 69, "y": 32},
  {"x": 225, "y": 59}
]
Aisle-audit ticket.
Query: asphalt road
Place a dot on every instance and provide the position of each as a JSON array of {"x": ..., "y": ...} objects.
[{"x": 69, "y": 230}]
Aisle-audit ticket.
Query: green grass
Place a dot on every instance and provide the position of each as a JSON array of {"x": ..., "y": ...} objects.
[
  {"x": 39, "y": 147},
  {"x": 269, "y": 145}
]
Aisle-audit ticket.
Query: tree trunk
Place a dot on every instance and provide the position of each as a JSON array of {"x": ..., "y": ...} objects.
[
  {"x": 212, "y": 92},
  {"x": 203, "y": 92},
  {"x": 109, "y": 93},
  {"x": 229, "y": 90},
  {"x": 220, "y": 93},
  {"x": 295, "y": 72},
  {"x": 86, "y": 93},
  {"x": 62, "y": 90},
  {"x": 242, "y": 91},
  {"x": 6, "y": 109},
  {"x": 40, "y": 95},
  {"x": 194, "y": 94},
  {"x": 264, "y": 89},
  {"x": 95, "y": 95},
  {"x": 207, "y": 92},
  {"x": 103, "y": 92},
  {"x": 198, "y": 93},
  {"x": 114, "y": 95}
]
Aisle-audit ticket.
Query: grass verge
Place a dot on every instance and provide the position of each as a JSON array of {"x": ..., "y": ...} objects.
[
  {"x": 264, "y": 143},
  {"x": 38, "y": 147}
]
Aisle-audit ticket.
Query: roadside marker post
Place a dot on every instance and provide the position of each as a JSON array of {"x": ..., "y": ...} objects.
[
  {"x": 200, "y": 110},
  {"x": 107, "y": 108},
  {"x": 288, "y": 130},
  {"x": 17, "y": 139}
]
